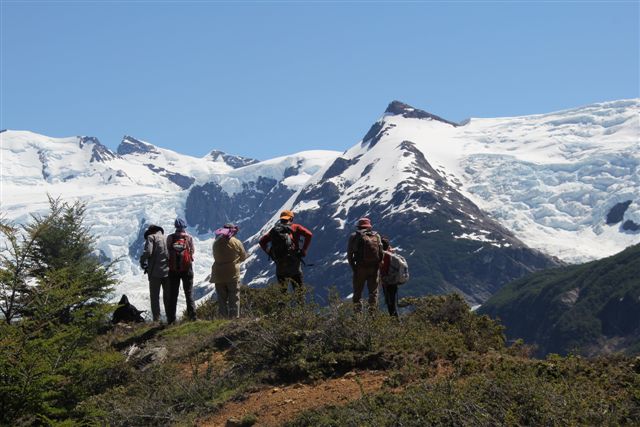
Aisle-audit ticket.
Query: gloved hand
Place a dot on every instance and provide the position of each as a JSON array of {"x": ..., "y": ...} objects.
[
  {"x": 301, "y": 253},
  {"x": 145, "y": 267}
]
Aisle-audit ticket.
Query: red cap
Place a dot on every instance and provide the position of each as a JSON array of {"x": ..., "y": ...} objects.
[{"x": 364, "y": 223}]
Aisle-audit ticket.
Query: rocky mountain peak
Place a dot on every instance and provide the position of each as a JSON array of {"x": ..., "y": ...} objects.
[
  {"x": 131, "y": 145},
  {"x": 233, "y": 161},
  {"x": 397, "y": 108},
  {"x": 99, "y": 152}
]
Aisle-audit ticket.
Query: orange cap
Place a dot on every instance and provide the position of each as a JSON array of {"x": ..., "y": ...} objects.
[{"x": 288, "y": 215}]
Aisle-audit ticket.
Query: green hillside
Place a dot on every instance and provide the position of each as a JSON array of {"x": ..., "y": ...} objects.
[
  {"x": 590, "y": 309},
  {"x": 282, "y": 363}
]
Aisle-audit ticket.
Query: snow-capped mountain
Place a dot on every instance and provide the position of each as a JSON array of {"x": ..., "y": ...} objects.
[
  {"x": 464, "y": 202},
  {"x": 140, "y": 185}
]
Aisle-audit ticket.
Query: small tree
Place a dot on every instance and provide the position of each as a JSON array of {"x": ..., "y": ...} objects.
[
  {"x": 14, "y": 269},
  {"x": 61, "y": 259},
  {"x": 53, "y": 292}
]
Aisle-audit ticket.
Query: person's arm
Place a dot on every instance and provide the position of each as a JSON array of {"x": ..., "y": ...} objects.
[
  {"x": 384, "y": 267},
  {"x": 351, "y": 251},
  {"x": 242, "y": 254},
  {"x": 192, "y": 246},
  {"x": 264, "y": 241},
  {"x": 147, "y": 252},
  {"x": 305, "y": 233}
]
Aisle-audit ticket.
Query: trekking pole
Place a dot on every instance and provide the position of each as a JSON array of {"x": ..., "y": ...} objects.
[
  {"x": 302, "y": 261},
  {"x": 305, "y": 264}
]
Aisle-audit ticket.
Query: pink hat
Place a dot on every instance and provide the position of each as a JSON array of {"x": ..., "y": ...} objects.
[
  {"x": 364, "y": 223},
  {"x": 228, "y": 231}
]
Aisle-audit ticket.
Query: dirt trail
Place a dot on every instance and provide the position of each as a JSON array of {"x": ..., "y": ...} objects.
[{"x": 276, "y": 405}]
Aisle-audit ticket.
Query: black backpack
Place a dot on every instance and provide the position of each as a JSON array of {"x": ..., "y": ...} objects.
[
  {"x": 126, "y": 312},
  {"x": 281, "y": 241}
]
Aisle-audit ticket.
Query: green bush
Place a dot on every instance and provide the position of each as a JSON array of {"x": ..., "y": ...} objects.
[
  {"x": 305, "y": 341},
  {"x": 500, "y": 390}
]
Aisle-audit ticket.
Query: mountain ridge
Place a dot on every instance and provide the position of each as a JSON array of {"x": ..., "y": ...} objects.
[
  {"x": 591, "y": 308},
  {"x": 550, "y": 180}
]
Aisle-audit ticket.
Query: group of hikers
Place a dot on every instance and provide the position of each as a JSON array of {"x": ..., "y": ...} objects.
[{"x": 169, "y": 261}]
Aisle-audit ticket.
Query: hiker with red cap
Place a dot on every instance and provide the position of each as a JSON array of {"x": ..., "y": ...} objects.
[
  {"x": 364, "y": 254},
  {"x": 282, "y": 244},
  {"x": 228, "y": 254}
]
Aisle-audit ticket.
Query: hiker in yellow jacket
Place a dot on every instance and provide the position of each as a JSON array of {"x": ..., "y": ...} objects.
[{"x": 228, "y": 253}]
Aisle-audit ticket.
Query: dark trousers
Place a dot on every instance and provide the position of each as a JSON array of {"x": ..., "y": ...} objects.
[
  {"x": 289, "y": 270},
  {"x": 187, "y": 286},
  {"x": 155, "y": 284},
  {"x": 391, "y": 298},
  {"x": 296, "y": 285},
  {"x": 295, "y": 280}
]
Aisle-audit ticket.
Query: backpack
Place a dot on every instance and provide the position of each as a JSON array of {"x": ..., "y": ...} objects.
[
  {"x": 126, "y": 312},
  {"x": 398, "y": 273},
  {"x": 281, "y": 241},
  {"x": 180, "y": 258},
  {"x": 368, "y": 248}
]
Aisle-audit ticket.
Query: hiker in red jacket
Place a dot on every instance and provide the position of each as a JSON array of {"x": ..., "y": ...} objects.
[
  {"x": 390, "y": 290},
  {"x": 282, "y": 244}
]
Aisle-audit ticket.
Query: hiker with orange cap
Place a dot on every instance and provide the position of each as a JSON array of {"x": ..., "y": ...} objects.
[
  {"x": 364, "y": 254},
  {"x": 282, "y": 244}
]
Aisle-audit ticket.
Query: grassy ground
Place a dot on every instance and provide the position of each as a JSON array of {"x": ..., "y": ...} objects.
[{"x": 441, "y": 363}]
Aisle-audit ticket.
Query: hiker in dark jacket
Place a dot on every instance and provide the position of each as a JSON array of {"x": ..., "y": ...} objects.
[
  {"x": 364, "y": 254},
  {"x": 228, "y": 254},
  {"x": 155, "y": 262},
  {"x": 181, "y": 251},
  {"x": 390, "y": 290},
  {"x": 282, "y": 244}
]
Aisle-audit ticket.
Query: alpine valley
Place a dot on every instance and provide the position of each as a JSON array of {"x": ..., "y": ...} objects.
[{"x": 472, "y": 205}]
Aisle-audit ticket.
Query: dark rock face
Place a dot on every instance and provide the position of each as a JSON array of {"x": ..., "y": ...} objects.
[
  {"x": 407, "y": 111},
  {"x": 180, "y": 180},
  {"x": 376, "y": 133},
  {"x": 293, "y": 170},
  {"x": 233, "y": 161},
  {"x": 629, "y": 225},
  {"x": 208, "y": 206},
  {"x": 136, "y": 248},
  {"x": 430, "y": 235},
  {"x": 99, "y": 152},
  {"x": 130, "y": 145},
  {"x": 337, "y": 167},
  {"x": 42, "y": 156},
  {"x": 616, "y": 213}
]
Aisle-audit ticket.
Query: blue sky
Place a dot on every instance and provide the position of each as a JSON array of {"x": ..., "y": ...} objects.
[{"x": 272, "y": 78}]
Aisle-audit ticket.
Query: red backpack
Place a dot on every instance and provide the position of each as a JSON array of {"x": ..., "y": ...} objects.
[{"x": 180, "y": 258}]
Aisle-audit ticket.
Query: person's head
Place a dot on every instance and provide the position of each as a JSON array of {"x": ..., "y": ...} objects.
[
  {"x": 364, "y": 224},
  {"x": 286, "y": 216},
  {"x": 153, "y": 229},
  {"x": 180, "y": 224},
  {"x": 228, "y": 230},
  {"x": 385, "y": 244}
]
